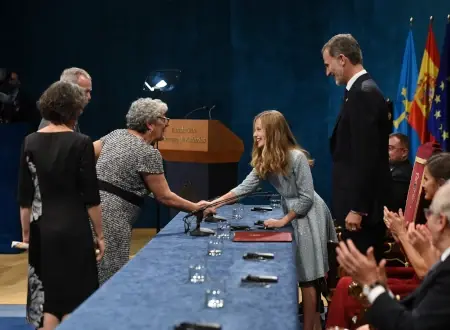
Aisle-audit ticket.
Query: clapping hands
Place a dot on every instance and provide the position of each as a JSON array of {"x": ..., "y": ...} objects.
[
  {"x": 420, "y": 237},
  {"x": 395, "y": 222}
]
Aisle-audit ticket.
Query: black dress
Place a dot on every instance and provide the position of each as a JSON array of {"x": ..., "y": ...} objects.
[{"x": 58, "y": 181}]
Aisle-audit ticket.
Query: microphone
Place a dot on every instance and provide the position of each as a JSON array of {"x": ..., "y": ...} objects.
[
  {"x": 195, "y": 110},
  {"x": 209, "y": 112},
  {"x": 199, "y": 213}
]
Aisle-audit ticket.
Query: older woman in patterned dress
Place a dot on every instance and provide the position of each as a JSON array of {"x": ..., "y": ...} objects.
[
  {"x": 277, "y": 158},
  {"x": 128, "y": 169}
]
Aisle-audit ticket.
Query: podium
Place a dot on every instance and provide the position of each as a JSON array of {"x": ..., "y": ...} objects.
[
  {"x": 415, "y": 201},
  {"x": 201, "y": 158}
]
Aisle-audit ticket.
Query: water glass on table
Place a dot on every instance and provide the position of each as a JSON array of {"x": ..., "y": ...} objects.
[
  {"x": 197, "y": 272},
  {"x": 223, "y": 230},
  {"x": 238, "y": 212},
  {"x": 215, "y": 246},
  {"x": 215, "y": 294},
  {"x": 275, "y": 201}
]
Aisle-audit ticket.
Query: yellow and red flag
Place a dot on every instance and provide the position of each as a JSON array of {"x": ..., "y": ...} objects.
[{"x": 426, "y": 83}]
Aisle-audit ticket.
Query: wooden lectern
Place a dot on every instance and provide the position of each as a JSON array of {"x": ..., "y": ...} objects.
[{"x": 201, "y": 158}]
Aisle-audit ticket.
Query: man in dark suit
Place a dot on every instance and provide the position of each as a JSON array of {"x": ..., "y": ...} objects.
[
  {"x": 359, "y": 144},
  {"x": 401, "y": 170},
  {"x": 428, "y": 307},
  {"x": 76, "y": 76}
]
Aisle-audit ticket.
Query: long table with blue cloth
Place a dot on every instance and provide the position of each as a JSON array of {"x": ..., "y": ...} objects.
[{"x": 153, "y": 290}]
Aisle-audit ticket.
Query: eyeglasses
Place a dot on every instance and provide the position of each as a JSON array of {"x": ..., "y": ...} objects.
[
  {"x": 165, "y": 120},
  {"x": 428, "y": 212},
  {"x": 392, "y": 148},
  {"x": 187, "y": 223}
]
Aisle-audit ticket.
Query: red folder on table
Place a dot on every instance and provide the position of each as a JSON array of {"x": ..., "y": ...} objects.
[{"x": 262, "y": 236}]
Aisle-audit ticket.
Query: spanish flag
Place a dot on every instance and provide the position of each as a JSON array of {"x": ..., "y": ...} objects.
[{"x": 423, "y": 98}]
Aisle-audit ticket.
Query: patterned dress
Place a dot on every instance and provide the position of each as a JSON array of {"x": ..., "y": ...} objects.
[
  {"x": 122, "y": 162},
  {"x": 57, "y": 180},
  {"x": 313, "y": 227}
]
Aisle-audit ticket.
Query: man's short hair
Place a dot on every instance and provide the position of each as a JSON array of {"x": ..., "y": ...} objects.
[
  {"x": 404, "y": 140},
  {"x": 346, "y": 45},
  {"x": 73, "y": 74}
]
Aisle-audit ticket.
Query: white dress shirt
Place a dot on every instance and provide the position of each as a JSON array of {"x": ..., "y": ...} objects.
[{"x": 353, "y": 79}]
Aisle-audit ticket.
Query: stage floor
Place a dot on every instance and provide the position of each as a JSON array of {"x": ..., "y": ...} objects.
[{"x": 13, "y": 269}]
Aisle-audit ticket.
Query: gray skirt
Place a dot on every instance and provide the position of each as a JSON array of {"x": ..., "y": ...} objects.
[{"x": 312, "y": 233}]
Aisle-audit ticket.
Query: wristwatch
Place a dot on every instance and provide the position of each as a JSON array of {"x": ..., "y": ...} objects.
[{"x": 367, "y": 288}]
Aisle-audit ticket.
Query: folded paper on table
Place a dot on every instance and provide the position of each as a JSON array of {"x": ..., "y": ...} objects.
[
  {"x": 19, "y": 245},
  {"x": 262, "y": 236}
]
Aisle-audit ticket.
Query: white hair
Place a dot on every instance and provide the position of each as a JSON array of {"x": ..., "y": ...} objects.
[
  {"x": 441, "y": 201},
  {"x": 143, "y": 111},
  {"x": 73, "y": 74}
]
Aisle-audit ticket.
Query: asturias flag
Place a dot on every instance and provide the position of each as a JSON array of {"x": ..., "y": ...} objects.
[
  {"x": 405, "y": 95},
  {"x": 421, "y": 106},
  {"x": 438, "y": 121}
]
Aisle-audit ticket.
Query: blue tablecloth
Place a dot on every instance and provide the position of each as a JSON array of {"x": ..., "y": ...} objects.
[{"x": 152, "y": 291}]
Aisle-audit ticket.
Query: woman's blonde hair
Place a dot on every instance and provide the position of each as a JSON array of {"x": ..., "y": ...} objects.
[{"x": 273, "y": 157}]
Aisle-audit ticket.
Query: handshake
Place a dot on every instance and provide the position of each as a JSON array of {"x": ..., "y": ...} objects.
[{"x": 202, "y": 208}]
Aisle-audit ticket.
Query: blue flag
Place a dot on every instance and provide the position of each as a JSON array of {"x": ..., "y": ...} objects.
[
  {"x": 405, "y": 96},
  {"x": 438, "y": 121}
]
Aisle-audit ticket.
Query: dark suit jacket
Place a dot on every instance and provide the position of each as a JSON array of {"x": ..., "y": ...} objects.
[
  {"x": 401, "y": 178},
  {"x": 428, "y": 307},
  {"x": 359, "y": 149}
]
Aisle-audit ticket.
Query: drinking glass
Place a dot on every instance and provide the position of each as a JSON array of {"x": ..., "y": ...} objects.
[
  {"x": 223, "y": 230},
  {"x": 215, "y": 246},
  {"x": 215, "y": 294},
  {"x": 275, "y": 201},
  {"x": 197, "y": 272}
]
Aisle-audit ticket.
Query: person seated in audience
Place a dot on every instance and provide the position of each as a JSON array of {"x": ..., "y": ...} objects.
[
  {"x": 401, "y": 170},
  {"x": 344, "y": 308},
  {"x": 428, "y": 306},
  {"x": 58, "y": 194},
  {"x": 128, "y": 169},
  {"x": 277, "y": 158}
]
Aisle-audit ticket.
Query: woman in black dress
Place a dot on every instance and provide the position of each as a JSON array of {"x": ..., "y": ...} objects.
[{"x": 58, "y": 193}]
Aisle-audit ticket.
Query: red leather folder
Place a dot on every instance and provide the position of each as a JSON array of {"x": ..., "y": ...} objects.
[{"x": 262, "y": 236}]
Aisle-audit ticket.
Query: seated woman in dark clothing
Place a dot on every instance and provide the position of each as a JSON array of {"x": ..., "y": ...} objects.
[{"x": 58, "y": 193}]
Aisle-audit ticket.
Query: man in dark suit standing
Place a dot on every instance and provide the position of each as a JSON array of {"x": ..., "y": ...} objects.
[
  {"x": 359, "y": 147},
  {"x": 76, "y": 76},
  {"x": 426, "y": 308}
]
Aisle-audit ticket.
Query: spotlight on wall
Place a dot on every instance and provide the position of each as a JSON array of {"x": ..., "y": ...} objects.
[{"x": 162, "y": 80}]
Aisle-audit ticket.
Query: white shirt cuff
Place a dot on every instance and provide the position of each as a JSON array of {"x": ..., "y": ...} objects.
[{"x": 375, "y": 293}]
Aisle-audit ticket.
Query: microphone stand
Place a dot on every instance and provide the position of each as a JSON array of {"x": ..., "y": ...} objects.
[
  {"x": 195, "y": 110},
  {"x": 198, "y": 231},
  {"x": 158, "y": 207}
]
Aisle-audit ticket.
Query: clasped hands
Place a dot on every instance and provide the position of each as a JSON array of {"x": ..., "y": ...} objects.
[{"x": 269, "y": 223}]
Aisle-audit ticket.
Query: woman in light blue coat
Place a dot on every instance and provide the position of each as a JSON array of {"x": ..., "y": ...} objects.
[{"x": 277, "y": 158}]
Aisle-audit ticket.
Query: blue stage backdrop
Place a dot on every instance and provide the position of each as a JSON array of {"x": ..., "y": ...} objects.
[
  {"x": 11, "y": 137},
  {"x": 242, "y": 56}
]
